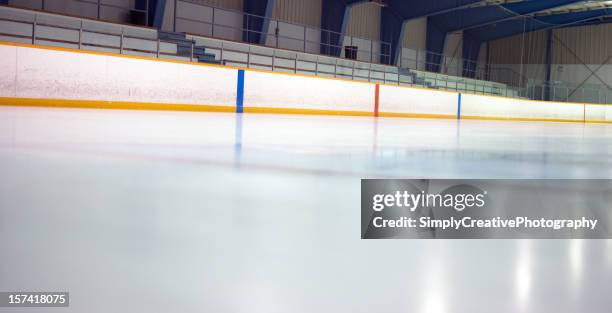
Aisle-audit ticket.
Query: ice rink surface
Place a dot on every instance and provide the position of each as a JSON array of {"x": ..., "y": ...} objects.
[{"x": 140, "y": 211}]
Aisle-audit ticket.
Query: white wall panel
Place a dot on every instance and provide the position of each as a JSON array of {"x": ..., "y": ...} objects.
[
  {"x": 364, "y": 21},
  {"x": 140, "y": 81},
  {"x": 486, "y": 106},
  {"x": 367, "y": 50},
  {"x": 598, "y": 113},
  {"x": 536, "y": 72},
  {"x": 414, "y": 44},
  {"x": 198, "y": 18},
  {"x": 297, "y": 19},
  {"x": 81, "y": 76},
  {"x": 585, "y": 44},
  {"x": 163, "y": 82},
  {"x": 395, "y": 99},
  {"x": 207, "y": 85},
  {"x": 526, "y": 49},
  {"x": 68, "y": 76},
  {"x": 194, "y": 11},
  {"x": 290, "y": 36},
  {"x": 415, "y": 34},
  {"x": 110, "y": 10},
  {"x": 300, "y": 92},
  {"x": 28, "y": 4},
  {"x": 303, "y": 12},
  {"x": 8, "y": 71}
]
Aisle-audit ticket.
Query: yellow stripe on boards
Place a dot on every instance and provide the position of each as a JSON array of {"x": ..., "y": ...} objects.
[
  {"x": 116, "y": 105},
  {"x": 519, "y": 119},
  {"x": 305, "y": 111},
  {"x": 126, "y": 105},
  {"x": 416, "y": 115},
  {"x": 598, "y": 122}
]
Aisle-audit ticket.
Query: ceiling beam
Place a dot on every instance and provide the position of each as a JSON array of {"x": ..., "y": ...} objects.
[
  {"x": 518, "y": 26},
  {"x": 482, "y": 16},
  {"x": 473, "y": 38},
  {"x": 438, "y": 26},
  {"x": 407, "y": 10}
]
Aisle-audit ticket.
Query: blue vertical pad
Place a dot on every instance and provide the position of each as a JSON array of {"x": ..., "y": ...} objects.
[
  {"x": 240, "y": 92},
  {"x": 459, "y": 107}
]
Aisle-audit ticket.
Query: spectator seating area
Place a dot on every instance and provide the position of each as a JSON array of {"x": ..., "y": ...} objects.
[{"x": 42, "y": 28}]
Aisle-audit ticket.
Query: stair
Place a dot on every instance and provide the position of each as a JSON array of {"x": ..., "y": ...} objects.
[{"x": 184, "y": 47}]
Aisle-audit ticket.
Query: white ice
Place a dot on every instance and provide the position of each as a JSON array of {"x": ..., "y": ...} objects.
[{"x": 139, "y": 211}]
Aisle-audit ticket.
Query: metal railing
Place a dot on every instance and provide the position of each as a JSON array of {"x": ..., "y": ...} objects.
[
  {"x": 82, "y": 37},
  {"x": 252, "y": 56}
]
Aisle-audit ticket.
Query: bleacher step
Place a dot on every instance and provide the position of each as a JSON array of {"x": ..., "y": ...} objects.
[{"x": 185, "y": 47}]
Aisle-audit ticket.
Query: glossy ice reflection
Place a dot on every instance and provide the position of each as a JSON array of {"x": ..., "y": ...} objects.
[{"x": 196, "y": 212}]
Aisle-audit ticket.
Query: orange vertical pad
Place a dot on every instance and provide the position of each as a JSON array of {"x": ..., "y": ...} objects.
[{"x": 376, "y": 97}]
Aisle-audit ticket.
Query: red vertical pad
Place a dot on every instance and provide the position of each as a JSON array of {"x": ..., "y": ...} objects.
[{"x": 376, "y": 97}]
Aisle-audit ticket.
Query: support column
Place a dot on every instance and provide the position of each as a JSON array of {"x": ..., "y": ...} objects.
[
  {"x": 146, "y": 6},
  {"x": 549, "y": 47},
  {"x": 471, "y": 49},
  {"x": 157, "y": 10},
  {"x": 266, "y": 23},
  {"x": 488, "y": 61},
  {"x": 334, "y": 18},
  {"x": 435, "y": 40},
  {"x": 254, "y": 19},
  {"x": 391, "y": 33}
]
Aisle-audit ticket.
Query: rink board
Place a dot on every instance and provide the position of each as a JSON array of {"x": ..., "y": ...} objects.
[
  {"x": 48, "y": 76},
  {"x": 279, "y": 92},
  {"x": 489, "y": 107},
  {"x": 408, "y": 101},
  {"x": 598, "y": 113},
  {"x": 33, "y": 73}
]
